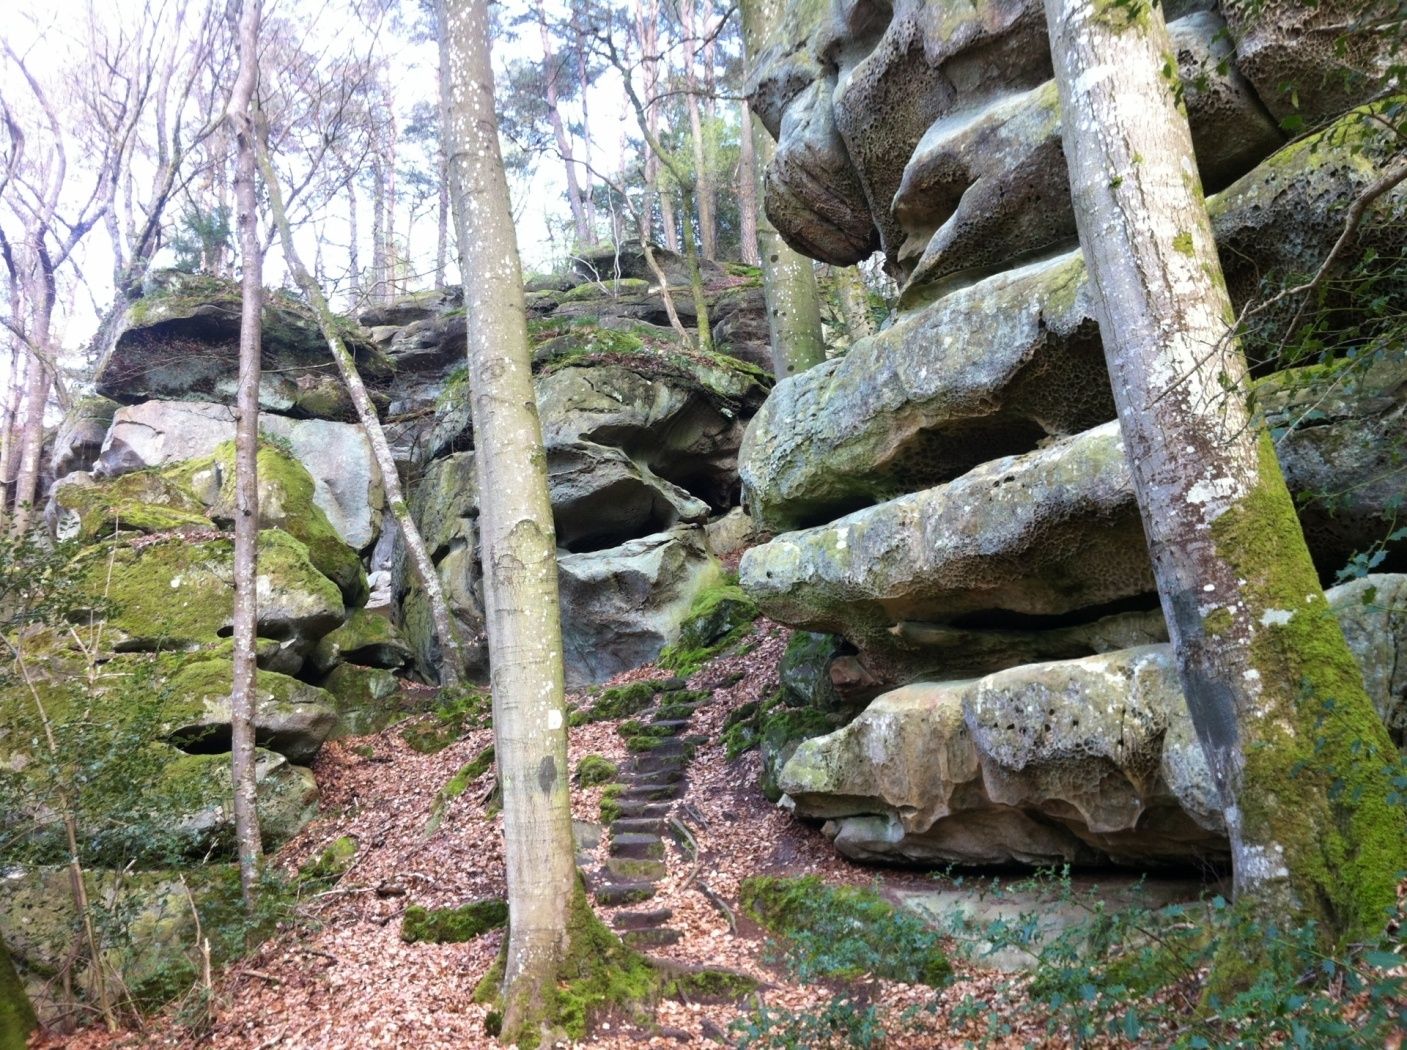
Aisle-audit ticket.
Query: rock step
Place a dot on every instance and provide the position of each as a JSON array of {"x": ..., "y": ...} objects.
[
  {"x": 654, "y": 791},
  {"x": 659, "y": 937},
  {"x": 674, "y": 726},
  {"x": 666, "y": 775},
  {"x": 642, "y": 808},
  {"x": 635, "y": 844},
  {"x": 653, "y": 762},
  {"x": 638, "y": 826},
  {"x": 631, "y": 891},
  {"x": 675, "y": 706},
  {"x": 634, "y": 868},
  {"x": 642, "y": 920}
]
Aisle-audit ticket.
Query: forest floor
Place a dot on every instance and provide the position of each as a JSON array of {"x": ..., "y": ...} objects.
[{"x": 338, "y": 974}]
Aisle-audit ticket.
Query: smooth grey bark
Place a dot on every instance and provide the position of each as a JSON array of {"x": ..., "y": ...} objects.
[
  {"x": 518, "y": 544},
  {"x": 848, "y": 285},
  {"x": 246, "y": 542},
  {"x": 1295, "y": 748},
  {"x": 451, "y": 652},
  {"x": 747, "y": 189},
  {"x": 584, "y": 235},
  {"x": 702, "y": 188}
]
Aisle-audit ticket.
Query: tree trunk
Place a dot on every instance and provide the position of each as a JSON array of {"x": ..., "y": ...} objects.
[
  {"x": 451, "y": 653},
  {"x": 354, "y": 265},
  {"x": 246, "y": 543},
  {"x": 854, "y": 298},
  {"x": 648, "y": 19},
  {"x": 518, "y": 542},
  {"x": 1294, "y": 745},
  {"x": 9, "y": 424},
  {"x": 380, "y": 268},
  {"x": 747, "y": 189},
  {"x": 559, "y": 131},
  {"x": 17, "y": 1018},
  {"x": 702, "y": 190},
  {"x": 31, "y": 436}
]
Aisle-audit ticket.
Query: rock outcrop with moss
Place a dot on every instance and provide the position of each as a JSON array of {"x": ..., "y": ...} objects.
[{"x": 951, "y": 502}]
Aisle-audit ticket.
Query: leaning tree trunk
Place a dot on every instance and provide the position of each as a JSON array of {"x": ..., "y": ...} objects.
[
  {"x": 451, "y": 653},
  {"x": 584, "y": 235},
  {"x": 789, "y": 279},
  {"x": 518, "y": 542},
  {"x": 702, "y": 188},
  {"x": 1294, "y": 745},
  {"x": 854, "y": 298},
  {"x": 246, "y": 543},
  {"x": 17, "y": 1018}
]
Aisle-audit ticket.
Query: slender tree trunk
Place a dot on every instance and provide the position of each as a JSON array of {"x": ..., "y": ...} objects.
[
  {"x": 518, "y": 542},
  {"x": 702, "y": 189},
  {"x": 9, "y": 424},
  {"x": 246, "y": 543},
  {"x": 1295, "y": 748},
  {"x": 747, "y": 189},
  {"x": 789, "y": 279},
  {"x": 584, "y": 89},
  {"x": 31, "y": 444},
  {"x": 442, "y": 214},
  {"x": 380, "y": 266},
  {"x": 849, "y": 287},
  {"x": 649, "y": 15},
  {"x": 559, "y": 131},
  {"x": 452, "y": 658},
  {"x": 17, "y": 1018},
  {"x": 353, "y": 253}
]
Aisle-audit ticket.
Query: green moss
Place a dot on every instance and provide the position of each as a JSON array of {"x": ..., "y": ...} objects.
[
  {"x": 719, "y": 616},
  {"x": 642, "y": 736},
  {"x": 619, "y": 701},
  {"x": 1183, "y": 243},
  {"x": 1218, "y": 621},
  {"x": 144, "y": 501},
  {"x": 708, "y": 985},
  {"x": 452, "y": 925},
  {"x": 1316, "y": 768},
  {"x": 285, "y": 502},
  {"x": 595, "y": 769},
  {"x": 610, "y": 803},
  {"x": 17, "y": 1018},
  {"x": 329, "y": 865},
  {"x": 844, "y": 931}
]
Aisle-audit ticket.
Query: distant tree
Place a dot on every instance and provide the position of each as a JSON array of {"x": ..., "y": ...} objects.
[{"x": 1296, "y": 750}]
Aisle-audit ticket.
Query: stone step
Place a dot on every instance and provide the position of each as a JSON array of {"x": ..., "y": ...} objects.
[
  {"x": 674, "y": 726},
  {"x": 636, "y": 808},
  {"x": 635, "y": 868},
  {"x": 659, "y": 937},
  {"x": 626, "y": 891},
  {"x": 646, "y": 775},
  {"x": 653, "y": 791},
  {"x": 642, "y": 920},
  {"x": 635, "y": 844},
  {"x": 638, "y": 826},
  {"x": 653, "y": 762}
]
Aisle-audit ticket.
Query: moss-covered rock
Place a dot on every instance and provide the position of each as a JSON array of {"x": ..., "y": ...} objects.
[
  {"x": 365, "y": 639},
  {"x": 365, "y": 698},
  {"x": 452, "y": 925},
  {"x": 595, "y": 769},
  {"x": 619, "y": 701},
  {"x": 175, "y": 593},
  {"x": 145, "y": 501},
  {"x": 290, "y": 717},
  {"x": 718, "y": 617},
  {"x": 17, "y": 1018},
  {"x": 285, "y": 502}
]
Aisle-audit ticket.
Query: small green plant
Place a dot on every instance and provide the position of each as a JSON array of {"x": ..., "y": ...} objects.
[
  {"x": 456, "y": 712},
  {"x": 845, "y": 1022},
  {"x": 843, "y": 931}
]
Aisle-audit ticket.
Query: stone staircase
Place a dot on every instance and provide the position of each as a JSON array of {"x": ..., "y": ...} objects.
[{"x": 645, "y": 816}]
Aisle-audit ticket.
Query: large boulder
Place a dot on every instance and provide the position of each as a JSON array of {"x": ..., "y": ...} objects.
[
  {"x": 622, "y": 605},
  {"x": 1067, "y": 762},
  {"x": 80, "y": 436},
  {"x": 601, "y": 497},
  {"x": 346, "y": 482},
  {"x": 180, "y": 341}
]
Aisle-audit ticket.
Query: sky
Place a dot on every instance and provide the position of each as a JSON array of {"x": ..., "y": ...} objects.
[{"x": 45, "y": 32}]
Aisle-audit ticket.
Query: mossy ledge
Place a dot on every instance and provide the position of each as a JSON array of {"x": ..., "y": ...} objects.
[
  {"x": 452, "y": 925},
  {"x": 599, "y": 974}
]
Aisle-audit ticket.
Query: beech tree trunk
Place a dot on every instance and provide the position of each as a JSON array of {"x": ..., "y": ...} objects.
[
  {"x": 647, "y": 19},
  {"x": 1295, "y": 747},
  {"x": 702, "y": 189},
  {"x": 380, "y": 267},
  {"x": 559, "y": 131},
  {"x": 31, "y": 435},
  {"x": 451, "y": 652},
  {"x": 518, "y": 541},
  {"x": 354, "y": 265},
  {"x": 246, "y": 542},
  {"x": 17, "y": 1018},
  {"x": 747, "y": 189},
  {"x": 788, "y": 278}
]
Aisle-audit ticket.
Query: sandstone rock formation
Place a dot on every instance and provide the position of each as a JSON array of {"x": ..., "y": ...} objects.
[{"x": 950, "y": 498}]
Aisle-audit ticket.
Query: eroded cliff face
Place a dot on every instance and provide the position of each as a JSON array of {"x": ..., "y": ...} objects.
[{"x": 950, "y": 497}]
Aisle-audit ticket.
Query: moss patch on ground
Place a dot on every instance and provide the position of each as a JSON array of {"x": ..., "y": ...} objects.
[
  {"x": 619, "y": 701},
  {"x": 452, "y": 925},
  {"x": 595, "y": 769},
  {"x": 844, "y": 931}
]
